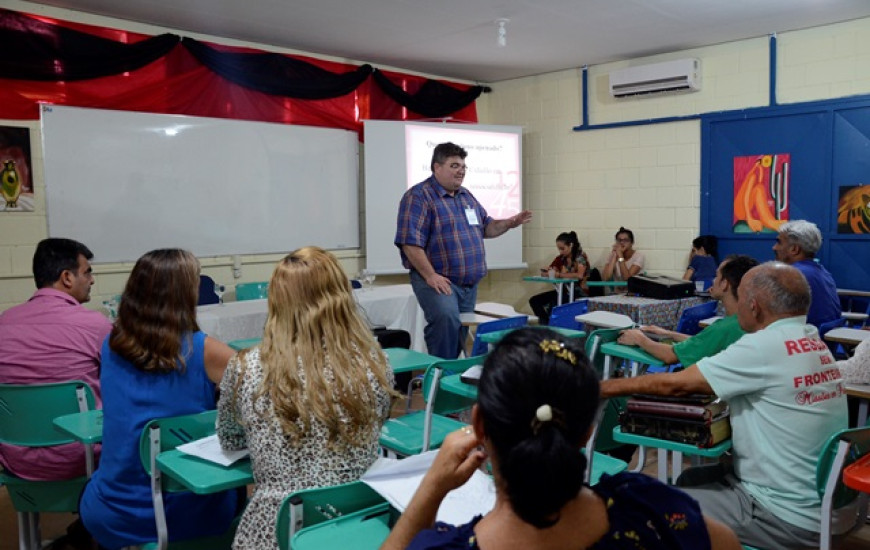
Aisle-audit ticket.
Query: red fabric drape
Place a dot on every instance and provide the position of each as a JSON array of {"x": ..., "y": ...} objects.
[{"x": 179, "y": 84}]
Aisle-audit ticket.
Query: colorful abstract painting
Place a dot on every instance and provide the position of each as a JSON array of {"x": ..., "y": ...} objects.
[
  {"x": 761, "y": 190},
  {"x": 853, "y": 210}
]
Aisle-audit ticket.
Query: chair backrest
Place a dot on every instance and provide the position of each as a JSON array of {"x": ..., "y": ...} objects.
[
  {"x": 313, "y": 506},
  {"x": 842, "y": 449},
  {"x": 171, "y": 432},
  {"x": 607, "y": 416},
  {"x": 367, "y": 528},
  {"x": 27, "y": 411},
  {"x": 252, "y": 291},
  {"x": 691, "y": 316},
  {"x": 206, "y": 291},
  {"x": 563, "y": 316},
  {"x": 595, "y": 340},
  {"x": 480, "y": 347},
  {"x": 442, "y": 402}
]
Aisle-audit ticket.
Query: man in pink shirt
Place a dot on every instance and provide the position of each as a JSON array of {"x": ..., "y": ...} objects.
[{"x": 53, "y": 338}]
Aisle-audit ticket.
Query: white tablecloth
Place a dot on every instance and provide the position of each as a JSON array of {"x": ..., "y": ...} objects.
[{"x": 393, "y": 306}]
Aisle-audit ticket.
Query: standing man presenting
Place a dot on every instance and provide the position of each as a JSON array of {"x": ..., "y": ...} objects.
[
  {"x": 797, "y": 244},
  {"x": 440, "y": 233}
]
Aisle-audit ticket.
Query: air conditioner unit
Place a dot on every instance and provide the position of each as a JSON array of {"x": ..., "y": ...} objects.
[{"x": 680, "y": 74}]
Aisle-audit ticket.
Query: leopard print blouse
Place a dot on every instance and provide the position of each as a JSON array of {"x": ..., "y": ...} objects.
[{"x": 279, "y": 466}]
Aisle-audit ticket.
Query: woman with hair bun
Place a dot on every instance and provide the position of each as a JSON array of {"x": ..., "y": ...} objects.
[
  {"x": 537, "y": 399},
  {"x": 571, "y": 263}
]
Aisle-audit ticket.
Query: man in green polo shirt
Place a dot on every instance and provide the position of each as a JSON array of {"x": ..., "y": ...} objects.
[{"x": 688, "y": 350}]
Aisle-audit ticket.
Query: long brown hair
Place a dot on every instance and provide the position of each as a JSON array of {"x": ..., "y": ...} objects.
[
  {"x": 313, "y": 322},
  {"x": 157, "y": 310}
]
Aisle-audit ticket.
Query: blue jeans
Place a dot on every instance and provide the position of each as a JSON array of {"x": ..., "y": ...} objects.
[{"x": 444, "y": 333}]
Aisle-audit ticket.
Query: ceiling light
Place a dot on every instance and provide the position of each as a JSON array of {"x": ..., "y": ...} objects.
[{"x": 502, "y": 31}]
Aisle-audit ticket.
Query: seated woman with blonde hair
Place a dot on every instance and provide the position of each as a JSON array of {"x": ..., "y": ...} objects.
[
  {"x": 310, "y": 400},
  {"x": 537, "y": 399}
]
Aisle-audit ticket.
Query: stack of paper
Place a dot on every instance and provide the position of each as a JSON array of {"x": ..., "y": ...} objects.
[
  {"x": 397, "y": 481},
  {"x": 209, "y": 448}
]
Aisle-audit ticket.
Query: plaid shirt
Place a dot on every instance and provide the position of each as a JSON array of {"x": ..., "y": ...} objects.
[{"x": 436, "y": 222}]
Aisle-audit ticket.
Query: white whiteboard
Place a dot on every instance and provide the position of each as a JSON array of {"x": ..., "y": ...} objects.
[
  {"x": 124, "y": 183},
  {"x": 398, "y": 155}
]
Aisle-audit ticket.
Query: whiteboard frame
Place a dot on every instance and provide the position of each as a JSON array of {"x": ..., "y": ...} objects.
[{"x": 127, "y": 182}]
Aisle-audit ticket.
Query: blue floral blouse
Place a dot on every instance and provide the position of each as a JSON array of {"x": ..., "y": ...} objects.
[{"x": 644, "y": 514}]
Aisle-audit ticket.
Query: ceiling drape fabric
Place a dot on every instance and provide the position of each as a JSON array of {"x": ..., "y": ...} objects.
[{"x": 60, "y": 62}]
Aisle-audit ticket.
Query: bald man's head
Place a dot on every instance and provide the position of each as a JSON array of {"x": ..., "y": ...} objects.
[{"x": 771, "y": 291}]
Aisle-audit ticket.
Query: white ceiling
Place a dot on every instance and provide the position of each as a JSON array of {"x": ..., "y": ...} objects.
[{"x": 458, "y": 38}]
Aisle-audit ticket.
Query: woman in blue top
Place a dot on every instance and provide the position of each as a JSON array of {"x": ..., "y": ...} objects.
[
  {"x": 155, "y": 363},
  {"x": 702, "y": 260},
  {"x": 536, "y": 401}
]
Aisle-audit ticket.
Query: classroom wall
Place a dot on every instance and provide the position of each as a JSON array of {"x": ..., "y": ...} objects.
[{"x": 647, "y": 178}]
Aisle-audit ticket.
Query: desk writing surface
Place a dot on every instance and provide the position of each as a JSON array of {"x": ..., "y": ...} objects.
[
  {"x": 849, "y": 336},
  {"x": 593, "y": 284},
  {"x": 861, "y": 391},
  {"x": 676, "y": 446},
  {"x": 855, "y": 293},
  {"x": 454, "y": 384},
  {"x": 407, "y": 360},
  {"x": 496, "y": 336},
  {"x": 86, "y": 427},
  {"x": 201, "y": 476},
  {"x": 631, "y": 353}
]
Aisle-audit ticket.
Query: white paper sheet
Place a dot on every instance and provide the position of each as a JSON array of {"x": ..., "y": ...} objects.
[
  {"x": 209, "y": 448},
  {"x": 397, "y": 480}
]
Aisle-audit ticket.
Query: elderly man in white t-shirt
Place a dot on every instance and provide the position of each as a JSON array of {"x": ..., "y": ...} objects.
[{"x": 786, "y": 397}]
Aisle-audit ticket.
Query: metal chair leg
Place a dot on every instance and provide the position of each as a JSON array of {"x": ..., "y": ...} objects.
[
  {"x": 23, "y": 531},
  {"x": 418, "y": 380}
]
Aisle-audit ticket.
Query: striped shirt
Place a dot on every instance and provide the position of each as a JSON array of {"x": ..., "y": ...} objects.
[{"x": 438, "y": 223}]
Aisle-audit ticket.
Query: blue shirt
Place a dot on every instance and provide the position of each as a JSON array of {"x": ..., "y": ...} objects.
[
  {"x": 704, "y": 268},
  {"x": 825, "y": 303},
  {"x": 439, "y": 224},
  {"x": 643, "y": 514},
  {"x": 116, "y": 505}
]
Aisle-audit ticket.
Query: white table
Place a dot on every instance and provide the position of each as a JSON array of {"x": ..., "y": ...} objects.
[
  {"x": 604, "y": 319},
  {"x": 848, "y": 336},
  {"x": 393, "y": 306}
]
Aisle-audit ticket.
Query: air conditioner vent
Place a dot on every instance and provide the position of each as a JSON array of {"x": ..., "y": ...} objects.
[{"x": 677, "y": 75}]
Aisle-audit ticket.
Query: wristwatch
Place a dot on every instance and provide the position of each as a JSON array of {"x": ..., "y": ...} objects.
[{"x": 620, "y": 260}]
